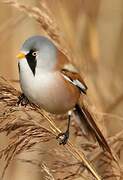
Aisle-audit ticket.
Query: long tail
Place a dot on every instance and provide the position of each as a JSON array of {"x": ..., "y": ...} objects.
[{"x": 90, "y": 125}]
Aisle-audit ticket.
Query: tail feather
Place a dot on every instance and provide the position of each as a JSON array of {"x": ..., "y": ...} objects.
[{"x": 92, "y": 127}]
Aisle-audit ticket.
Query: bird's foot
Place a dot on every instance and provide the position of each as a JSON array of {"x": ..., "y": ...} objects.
[
  {"x": 63, "y": 138},
  {"x": 22, "y": 100}
]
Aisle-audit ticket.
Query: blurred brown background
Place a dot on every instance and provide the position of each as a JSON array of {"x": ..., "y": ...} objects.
[{"x": 94, "y": 30}]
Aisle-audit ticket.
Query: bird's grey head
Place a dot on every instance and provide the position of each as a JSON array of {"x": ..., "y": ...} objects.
[{"x": 40, "y": 53}]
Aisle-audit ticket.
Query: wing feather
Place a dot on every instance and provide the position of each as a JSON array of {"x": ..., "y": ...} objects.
[{"x": 75, "y": 79}]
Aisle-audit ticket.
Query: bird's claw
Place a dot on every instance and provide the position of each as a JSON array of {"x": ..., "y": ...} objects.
[
  {"x": 63, "y": 138},
  {"x": 22, "y": 100}
]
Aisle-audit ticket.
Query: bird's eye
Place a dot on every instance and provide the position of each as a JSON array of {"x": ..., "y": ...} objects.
[{"x": 34, "y": 53}]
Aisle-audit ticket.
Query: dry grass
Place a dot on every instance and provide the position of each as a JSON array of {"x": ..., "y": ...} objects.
[
  {"x": 46, "y": 20},
  {"x": 26, "y": 132}
]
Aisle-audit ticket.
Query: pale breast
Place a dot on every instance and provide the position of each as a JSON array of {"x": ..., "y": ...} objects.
[{"x": 50, "y": 91}]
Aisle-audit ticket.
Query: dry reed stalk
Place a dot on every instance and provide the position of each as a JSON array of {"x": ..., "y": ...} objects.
[
  {"x": 30, "y": 132},
  {"x": 71, "y": 148},
  {"x": 49, "y": 26},
  {"x": 51, "y": 29},
  {"x": 46, "y": 21}
]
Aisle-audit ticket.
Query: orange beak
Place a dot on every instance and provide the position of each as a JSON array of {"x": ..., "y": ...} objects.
[{"x": 20, "y": 55}]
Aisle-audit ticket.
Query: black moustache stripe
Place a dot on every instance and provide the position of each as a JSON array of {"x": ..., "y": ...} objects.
[
  {"x": 31, "y": 61},
  {"x": 19, "y": 67}
]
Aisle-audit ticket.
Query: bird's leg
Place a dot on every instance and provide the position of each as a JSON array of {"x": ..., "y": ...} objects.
[
  {"x": 22, "y": 100},
  {"x": 63, "y": 137}
]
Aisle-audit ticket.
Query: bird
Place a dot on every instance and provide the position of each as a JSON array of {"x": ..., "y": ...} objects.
[{"x": 49, "y": 80}]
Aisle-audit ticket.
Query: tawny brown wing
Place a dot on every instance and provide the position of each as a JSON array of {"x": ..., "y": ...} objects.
[{"x": 75, "y": 79}]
